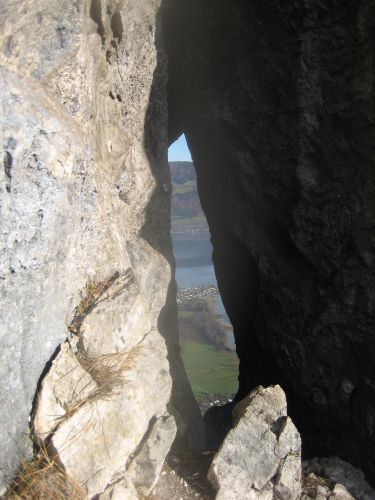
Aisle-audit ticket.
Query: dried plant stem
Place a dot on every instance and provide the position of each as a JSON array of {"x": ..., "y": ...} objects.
[{"x": 44, "y": 479}]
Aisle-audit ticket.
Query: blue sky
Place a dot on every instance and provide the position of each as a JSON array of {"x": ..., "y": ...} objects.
[{"x": 179, "y": 150}]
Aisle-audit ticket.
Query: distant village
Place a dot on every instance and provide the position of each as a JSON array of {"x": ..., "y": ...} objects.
[{"x": 200, "y": 292}]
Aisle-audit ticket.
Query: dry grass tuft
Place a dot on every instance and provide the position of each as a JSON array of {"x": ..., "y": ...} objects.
[
  {"x": 108, "y": 370},
  {"x": 44, "y": 479},
  {"x": 92, "y": 292},
  {"x": 311, "y": 482},
  {"x": 89, "y": 297}
]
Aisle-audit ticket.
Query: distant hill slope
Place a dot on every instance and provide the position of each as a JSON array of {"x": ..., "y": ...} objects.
[
  {"x": 182, "y": 171},
  {"x": 186, "y": 208}
]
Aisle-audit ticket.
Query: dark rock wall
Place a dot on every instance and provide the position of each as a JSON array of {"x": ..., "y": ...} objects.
[{"x": 276, "y": 99}]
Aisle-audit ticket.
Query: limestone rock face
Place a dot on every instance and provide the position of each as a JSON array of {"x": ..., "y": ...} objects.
[
  {"x": 104, "y": 400},
  {"x": 83, "y": 202},
  {"x": 277, "y": 102},
  {"x": 261, "y": 456}
]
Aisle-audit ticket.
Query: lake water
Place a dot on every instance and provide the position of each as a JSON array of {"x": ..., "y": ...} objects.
[
  {"x": 194, "y": 268},
  {"x": 193, "y": 254}
]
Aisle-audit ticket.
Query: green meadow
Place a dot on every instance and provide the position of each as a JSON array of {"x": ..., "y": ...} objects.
[{"x": 210, "y": 371}]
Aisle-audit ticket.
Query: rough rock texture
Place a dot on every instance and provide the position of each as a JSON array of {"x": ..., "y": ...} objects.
[
  {"x": 277, "y": 101},
  {"x": 340, "y": 493},
  {"x": 345, "y": 475},
  {"x": 260, "y": 457},
  {"x": 124, "y": 490},
  {"x": 104, "y": 400},
  {"x": 319, "y": 488},
  {"x": 84, "y": 199},
  {"x": 145, "y": 468}
]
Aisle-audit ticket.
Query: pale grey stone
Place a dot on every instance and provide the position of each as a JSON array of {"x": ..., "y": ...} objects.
[
  {"x": 83, "y": 119},
  {"x": 261, "y": 455},
  {"x": 95, "y": 438},
  {"x": 288, "y": 482},
  {"x": 322, "y": 492},
  {"x": 340, "y": 493},
  {"x": 147, "y": 464},
  {"x": 123, "y": 490},
  {"x": 289, "y": 439}
]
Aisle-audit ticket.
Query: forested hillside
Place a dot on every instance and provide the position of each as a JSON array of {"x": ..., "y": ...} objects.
[{"x": 186, "y": 208}]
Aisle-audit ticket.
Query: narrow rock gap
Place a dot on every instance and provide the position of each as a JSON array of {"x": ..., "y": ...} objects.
[
  {"x": 275, "y": 100},
  {"x": 206, "y": 334},
  {"x": 40, "y": 381}
]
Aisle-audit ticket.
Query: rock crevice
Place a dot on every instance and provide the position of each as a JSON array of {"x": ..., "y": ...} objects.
[{"x": 277, "y": 103}]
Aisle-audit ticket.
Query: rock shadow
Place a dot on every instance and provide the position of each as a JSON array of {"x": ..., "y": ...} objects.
[{"x": 156, "y": 231}]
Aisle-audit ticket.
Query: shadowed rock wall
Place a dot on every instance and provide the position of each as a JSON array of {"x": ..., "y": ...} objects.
[{"x": 277, "y": 102}]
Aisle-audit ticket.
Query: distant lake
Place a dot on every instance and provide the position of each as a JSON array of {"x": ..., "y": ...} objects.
[
  {"x": 194, "y": 268},
  {"x": 193, "y": 254}
]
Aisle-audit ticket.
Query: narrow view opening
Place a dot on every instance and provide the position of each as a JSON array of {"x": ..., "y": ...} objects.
[{"x": 206, "y": 334}]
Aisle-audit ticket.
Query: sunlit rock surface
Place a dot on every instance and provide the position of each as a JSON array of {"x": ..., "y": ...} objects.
[
  {"x": 104, "y": 400},
  {"x": 84, "y": 199},
  {"x": 260, "y": 457}
]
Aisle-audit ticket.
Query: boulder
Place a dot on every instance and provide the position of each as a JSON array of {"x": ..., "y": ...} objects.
[
  {"x": 102, "y": 407},
  {"x": 261, "y": 456}
]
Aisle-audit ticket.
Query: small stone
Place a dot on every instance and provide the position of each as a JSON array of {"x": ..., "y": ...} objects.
[
  {"x": 340, "y": 493},
  {"x": 322, "y": 492}
]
